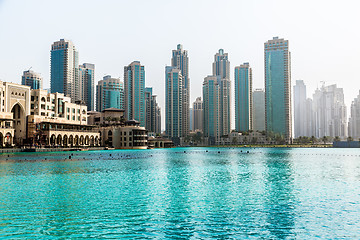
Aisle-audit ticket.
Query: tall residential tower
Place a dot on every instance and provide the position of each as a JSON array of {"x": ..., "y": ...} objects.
[
  {"x": 278, "y": 88},
  {"x": 134, "y": 82},
  {"x": 180, "y": 60},
  {"x": 64, "y": 68},
  {"x": 243, "y": 98}
]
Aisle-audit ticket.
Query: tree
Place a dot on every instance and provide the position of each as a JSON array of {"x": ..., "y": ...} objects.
[
  {"x": 350, "y": 139},
  {"x": 313, "y": 139},
  {"x": 234, "y": 140},
  {"x": 337, "y": 139},
  {"x": 253, "y": 140},
  {"x": 324, "y": 139}
]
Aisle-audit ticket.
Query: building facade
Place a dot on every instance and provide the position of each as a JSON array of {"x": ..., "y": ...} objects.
[
  {"x": 173, "y": 103},
  {"x": 64, "y": 64},
  {"x": 180, "y": 60},
  {"x": 134, "y": 83},
  {"x": 152, "y": 110},
  {"x": 85, "y": 90},
  {"x": 109, "y": 94},
  {"x": 259, "y": 110},
  {"x": 198, "y": 114},
  {"x": 302, "y": 111},
  {"x": 221, "y": 68},
  {"x": 243, "y": 98},
  {"x": 278, "y": 88},
  {"x": 330, "y": 114},
  {"x": 354, "y": 120},
  {"x": 211, "y": 109},
  {"x": 32, "y": 79}
]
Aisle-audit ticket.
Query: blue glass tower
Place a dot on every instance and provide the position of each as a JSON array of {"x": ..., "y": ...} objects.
[
  {"x": 64, "y": 68},
  {"x": 173, "y": 102},
  {"x": 278, "y": 88},
  {"x": 85, "y": 89},
  {"x": 32, "y": 79},
  {"x": 211, "y": 108},
  {"x": 109, "y": 94},
  {"x": 243, "y": 98},
  {"x": 134, "y": 82}
]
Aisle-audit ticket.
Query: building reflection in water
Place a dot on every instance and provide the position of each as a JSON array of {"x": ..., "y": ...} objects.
[{"x": 280, "y": 199}]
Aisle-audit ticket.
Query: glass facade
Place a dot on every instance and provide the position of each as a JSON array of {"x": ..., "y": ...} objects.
[
  {"x": 134, "y": 82},
  {"x": 173, "y": 102},
  {"x": 243, "y": 98},
  {"x": 109, "y": 94},
  {"x": 277, "y": 88}
]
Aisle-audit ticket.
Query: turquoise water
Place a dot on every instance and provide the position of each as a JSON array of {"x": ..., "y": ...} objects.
[{"x": 182, "y": 193}]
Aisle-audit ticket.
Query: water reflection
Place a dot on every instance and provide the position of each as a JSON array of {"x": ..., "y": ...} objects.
[{"x": 280, "y": 198}]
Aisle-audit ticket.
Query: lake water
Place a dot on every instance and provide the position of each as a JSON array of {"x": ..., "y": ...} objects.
[{"x": 181, "y": 193}]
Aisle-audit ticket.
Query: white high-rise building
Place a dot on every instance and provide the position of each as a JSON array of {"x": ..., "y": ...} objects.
[
  {"x": 198, "y": 114},
  {"x": 300, "y": 123},
  {"x": 180, "y": 60},
  {"x": 221, "y": 68},
  {"x": 329, "y": 112},
  {"x": 354, "y": 120},
  {"x": 259, "y": 110}
]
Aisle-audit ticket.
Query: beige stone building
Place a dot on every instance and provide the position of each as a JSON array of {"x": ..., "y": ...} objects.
[{"x": 29, "y": 117}]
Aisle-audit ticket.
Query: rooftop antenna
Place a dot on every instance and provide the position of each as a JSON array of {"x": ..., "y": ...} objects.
[{"x": 30, "y": 68}]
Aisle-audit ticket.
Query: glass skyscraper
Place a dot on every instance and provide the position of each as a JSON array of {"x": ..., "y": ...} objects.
[
  {"x": 173, "y": 103},
  {"x": 243, "y": 98},
  {"x": 109, "y": 94},
  {"x": 134, "y": 83},
  {"x": 211, "y": 109},
  {"x": 180, "y": 60},
  {"x": 259, "y": 110},
  {"x": 278, "y": 88},
  {"x": 64, "y": 68},
  {"x": 32, "y": 79},
  {"x": 85, "y": 89}
]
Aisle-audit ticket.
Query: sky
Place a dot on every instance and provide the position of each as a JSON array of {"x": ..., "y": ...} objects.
[{"x": 324, "y": 38}]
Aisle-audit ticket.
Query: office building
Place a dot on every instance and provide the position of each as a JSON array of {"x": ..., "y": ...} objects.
[
  {"x": 85, "y": 90},
  {"x": 32, "y": 79},
  {"x": 259, "y": 110},
  {"x": 243, "y": 98},
  {"x": 180, "y": 60},
  {"x": 134, "y": 84},
  {"x": 278, "y": 88},
  {"x": 109, "y": 94},
  {"x": 64, "y": 68}
]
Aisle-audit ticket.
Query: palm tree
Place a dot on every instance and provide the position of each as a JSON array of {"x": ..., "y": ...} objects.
[
  {"x": 312, "y": 139},
  {"x": 337, "y": 139},
  {"x": 324, "y": 139},
  {"x": 350, "y": 139}
]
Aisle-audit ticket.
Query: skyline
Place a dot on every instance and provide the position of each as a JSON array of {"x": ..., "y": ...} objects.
[{"x": 317, "y": 54}]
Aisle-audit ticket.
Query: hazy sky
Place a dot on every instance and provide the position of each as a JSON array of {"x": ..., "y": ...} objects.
[{"x": 324, "y": 37}]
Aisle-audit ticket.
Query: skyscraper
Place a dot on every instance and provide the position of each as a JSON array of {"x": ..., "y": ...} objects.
[
  {"x": 109, "y": 94},
  {"x": 329, "y": 112},
  {"x": 354, "y": 120},
  {"x": 278, "y": 88},
  {"x": 211, "y": 106},
  {"x": 221, "y": 68},
  {"x": 198, "y": 114},
  {"x": 85, "y": 90},
  {"x": 259, "y": 110},
  {"x": 173, "y": 103},
  {"x": 152, "y": 110},
  {"x": 243, "y": 98},
  {"x": 300, "y": 111},
  {"x": 32, "y": 79},
  {"x": 64, "y": 68},
  {"x": 180, "y": 60},
  {"x": 134, "y": 82}
]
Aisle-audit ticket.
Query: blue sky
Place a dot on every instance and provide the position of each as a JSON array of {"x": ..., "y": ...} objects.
[{"x": 324, "y": 37}]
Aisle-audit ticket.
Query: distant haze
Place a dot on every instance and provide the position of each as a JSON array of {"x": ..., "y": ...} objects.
[{"x": 324, "y": 38}]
